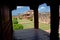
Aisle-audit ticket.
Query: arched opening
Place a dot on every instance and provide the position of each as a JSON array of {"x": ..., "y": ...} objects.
[
  {"x": 6, "y": 24},
  {"x": 44, "y": 17},
  {"x": 23, "y": 17}
]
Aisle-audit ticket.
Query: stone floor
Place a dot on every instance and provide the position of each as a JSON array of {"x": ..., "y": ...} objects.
[{"x": 31, "y": 34}]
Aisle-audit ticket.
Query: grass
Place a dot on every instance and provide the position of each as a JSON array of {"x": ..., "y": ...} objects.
[
  {"x": 44, "y": 26},
  {"x": 30, "y": 24},
  {"x": 26, "y": 23},
  {"x": 59, "y": 35},
  {"x": 17, "y": 27}
]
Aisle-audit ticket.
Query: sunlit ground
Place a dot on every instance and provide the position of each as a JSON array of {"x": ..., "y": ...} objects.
[{"x": 30, "y": 24}]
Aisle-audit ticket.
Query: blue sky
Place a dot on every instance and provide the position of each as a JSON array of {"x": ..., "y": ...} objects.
[
  {"x": 22, "y": 9},
  {"x": 44, "y": 8}
]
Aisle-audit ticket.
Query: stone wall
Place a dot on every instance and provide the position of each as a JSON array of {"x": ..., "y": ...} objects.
[{"x": 43, "y": 17}]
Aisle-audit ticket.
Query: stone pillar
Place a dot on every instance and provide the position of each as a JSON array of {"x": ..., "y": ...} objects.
[
  {"x": 36, "y": 23},
  {"x": 5, "y": 23},
  {"x": 54, "y": 21}
]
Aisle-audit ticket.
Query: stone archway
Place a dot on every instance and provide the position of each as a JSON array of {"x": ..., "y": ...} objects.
[{"x": 7, "y": 27}]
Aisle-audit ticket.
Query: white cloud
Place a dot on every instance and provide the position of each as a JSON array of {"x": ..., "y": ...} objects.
[
  {"x": 40, "y": 8},
  {"x": 19, "y": 6}
]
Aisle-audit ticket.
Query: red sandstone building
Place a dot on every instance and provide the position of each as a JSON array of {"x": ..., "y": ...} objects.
[{"x": 28, "y": 14}]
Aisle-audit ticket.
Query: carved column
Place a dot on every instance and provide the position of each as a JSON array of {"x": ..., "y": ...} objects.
[{"x": 36, "y": 23}]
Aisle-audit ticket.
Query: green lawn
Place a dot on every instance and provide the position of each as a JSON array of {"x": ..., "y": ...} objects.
[
  {"x": 59, "y": 35},
  {"x": 44, "y": 26},
  {"x": 26, "y": 23},
  {"x": 30, "y": 24}
]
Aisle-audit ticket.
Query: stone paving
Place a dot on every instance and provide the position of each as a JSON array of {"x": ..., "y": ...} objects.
[{"x": 31, "y": 34}]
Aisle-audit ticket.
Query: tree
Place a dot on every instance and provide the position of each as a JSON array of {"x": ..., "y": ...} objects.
[
  {"x": 14, "y": 20},
  {"x": 17, "y": 26}
]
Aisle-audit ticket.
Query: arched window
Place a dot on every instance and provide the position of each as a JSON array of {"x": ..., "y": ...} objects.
[
  {"x": 44, "y": 17},
  {"x": 24, "y": 16}
]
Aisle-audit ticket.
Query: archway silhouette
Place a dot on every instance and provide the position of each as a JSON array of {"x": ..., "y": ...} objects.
[{"x": 6, "y": 25}]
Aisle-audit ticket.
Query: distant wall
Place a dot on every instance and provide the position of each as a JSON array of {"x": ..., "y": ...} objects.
[{"x": 44, "y": 18}]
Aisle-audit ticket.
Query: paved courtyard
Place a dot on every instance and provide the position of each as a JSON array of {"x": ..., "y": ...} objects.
[{"x": 31, "y": 34}]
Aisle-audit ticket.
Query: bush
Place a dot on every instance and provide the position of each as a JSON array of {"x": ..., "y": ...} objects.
[
  {"x": 17, "y": 27},
  {"x": 30, "y": 19},
  {"x": 20, "y": 18},
  {"x": 14, "y": 20}
]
